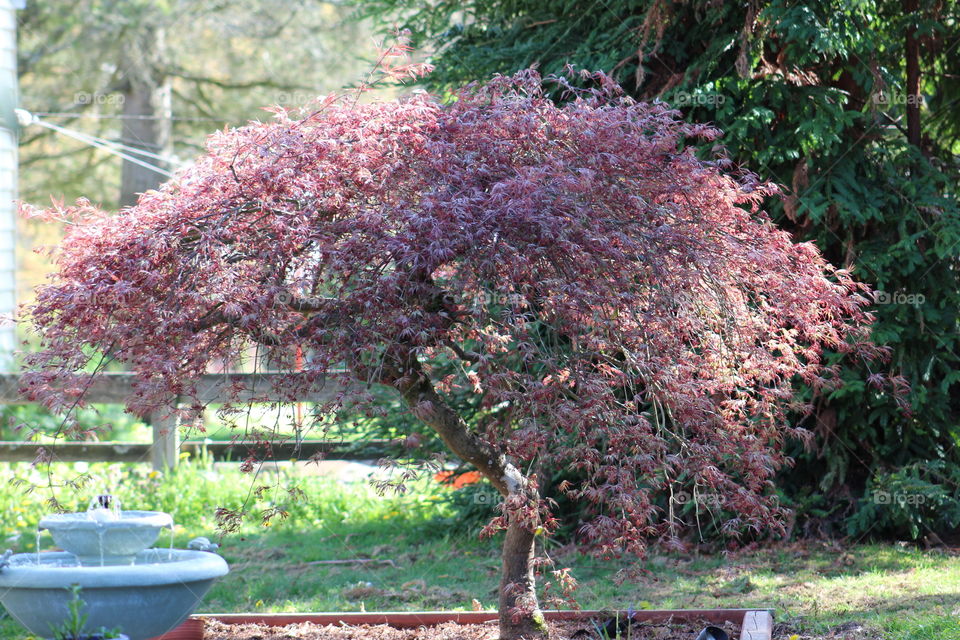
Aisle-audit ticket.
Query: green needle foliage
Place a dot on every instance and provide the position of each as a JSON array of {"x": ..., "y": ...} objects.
[{"x": 814, "y": 95}]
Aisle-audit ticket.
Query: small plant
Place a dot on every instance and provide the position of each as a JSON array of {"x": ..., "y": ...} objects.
[
  {"x": 72, "y": 627},
  {"x": 616, "y": 629}
]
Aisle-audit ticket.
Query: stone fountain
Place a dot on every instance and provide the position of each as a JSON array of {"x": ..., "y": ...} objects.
[{"x": 143, "y": 591}]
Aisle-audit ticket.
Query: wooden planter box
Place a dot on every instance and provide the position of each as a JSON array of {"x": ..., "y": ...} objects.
[{"x": 755, "y": 624}]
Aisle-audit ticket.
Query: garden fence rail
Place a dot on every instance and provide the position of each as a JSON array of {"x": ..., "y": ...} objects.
[{"x": 166, "y": 448}]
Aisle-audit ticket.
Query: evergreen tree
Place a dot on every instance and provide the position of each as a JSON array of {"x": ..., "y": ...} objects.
[{"x": 851, "y": 106}]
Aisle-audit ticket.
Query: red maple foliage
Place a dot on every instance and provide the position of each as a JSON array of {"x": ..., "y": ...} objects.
[{"x": 623, "y": 308}]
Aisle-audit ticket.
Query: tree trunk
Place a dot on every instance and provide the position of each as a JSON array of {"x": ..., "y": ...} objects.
[
  {"x": 912, "y": 8},
  {"x": 145, "y": 128},
  {"x": 520, "y": 615},
  {"x": 147, "y": 112}
]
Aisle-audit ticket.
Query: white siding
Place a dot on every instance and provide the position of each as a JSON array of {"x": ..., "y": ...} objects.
[{"x": 8, "y": 182}]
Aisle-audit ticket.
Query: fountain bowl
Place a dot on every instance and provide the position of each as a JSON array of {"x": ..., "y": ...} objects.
[
  {"x": 113, "y": 540},
  {"x": 157, "y": 593}
]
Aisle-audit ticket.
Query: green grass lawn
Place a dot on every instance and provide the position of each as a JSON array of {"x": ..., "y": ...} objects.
[{"x": 420, "y": 563}]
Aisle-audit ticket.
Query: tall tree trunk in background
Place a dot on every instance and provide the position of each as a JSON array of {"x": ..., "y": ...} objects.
[
  {"x": 147, "y": 113},
  {"x": 911, "y": 9}
]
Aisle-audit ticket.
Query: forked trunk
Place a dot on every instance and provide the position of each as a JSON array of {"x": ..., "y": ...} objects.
[{"x": 520, "y": 615}]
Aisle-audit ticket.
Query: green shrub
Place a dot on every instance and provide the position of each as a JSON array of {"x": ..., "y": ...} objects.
[{"x": 913, "y": 501}]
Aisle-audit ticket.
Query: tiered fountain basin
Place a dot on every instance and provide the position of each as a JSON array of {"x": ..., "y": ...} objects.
[
  {"x": 123, "y": 533},
  {"x": 146, "y": 599},
  {"x": 143, "y": 592}
]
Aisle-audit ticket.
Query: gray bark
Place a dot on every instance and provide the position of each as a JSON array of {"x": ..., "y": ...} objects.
[
  {"x": 147, "y": 114},
  {"x": 520, "y": 615}
]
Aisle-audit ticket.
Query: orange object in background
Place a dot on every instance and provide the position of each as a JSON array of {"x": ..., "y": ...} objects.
[{"x": 455, "y": 481}]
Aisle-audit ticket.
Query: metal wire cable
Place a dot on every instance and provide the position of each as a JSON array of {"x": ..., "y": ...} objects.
[
  {"x": 105, "y": 116},
  {"x": 106, "y": 145},
  {"x": 128, "y": 149}
]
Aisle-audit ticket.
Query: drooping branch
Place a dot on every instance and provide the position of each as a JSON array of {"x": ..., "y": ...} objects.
[
  {"x": 419, "y": 393},
  {"x": 330, "y": 317}
]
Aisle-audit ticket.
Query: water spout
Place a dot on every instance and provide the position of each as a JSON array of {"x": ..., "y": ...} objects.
[{"x": 104, "y": 508}]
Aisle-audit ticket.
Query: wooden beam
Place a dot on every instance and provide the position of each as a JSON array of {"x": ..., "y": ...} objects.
[
  {"x": 76, "y": 451},
  {"x": 236, "y": 451},
  {"x": 757, "y": 625},
  {"x": 115, "y": 388}
]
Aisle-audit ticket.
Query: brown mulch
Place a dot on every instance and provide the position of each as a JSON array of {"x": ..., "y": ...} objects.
[{"x": 559, "y": 630}]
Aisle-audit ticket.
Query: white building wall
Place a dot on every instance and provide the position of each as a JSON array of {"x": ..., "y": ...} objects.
[{"x": 8, "y": 180}]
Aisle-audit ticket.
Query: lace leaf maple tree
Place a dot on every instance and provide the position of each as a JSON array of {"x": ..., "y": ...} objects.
[{"x": 617, "y": 306}]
